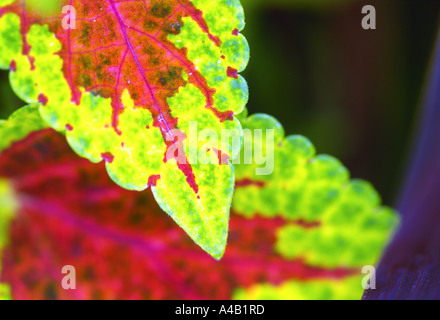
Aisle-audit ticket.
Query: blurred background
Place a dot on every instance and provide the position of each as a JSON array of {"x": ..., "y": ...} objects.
[{"x": 353, "y": 92}]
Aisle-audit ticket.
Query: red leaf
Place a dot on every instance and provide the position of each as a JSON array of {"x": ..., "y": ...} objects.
[
  {"x": 125, "y": 83},
  {"x": 119, "y": 241},
  {"x": 118, "y": 46}
]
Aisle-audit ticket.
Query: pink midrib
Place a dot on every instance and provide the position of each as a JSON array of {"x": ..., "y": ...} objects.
[
  {"x": 165, "y": 132},
  {"x": 127, "y": 40}
]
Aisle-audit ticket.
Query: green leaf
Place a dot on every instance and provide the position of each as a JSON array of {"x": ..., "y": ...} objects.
[
  {"x": 71, "y": 213},
  {"x": 7, "y": 210},
  {"x": 335, "y": 222},
  {"x": 276, "y": 240},
  {"x": 5, "y": 292},
  {"x": 20, "y": 124},
  {"x": 348, "y": 288},
  {"x": 13, "y": 131},
  {"x": 127, "y": 81}
]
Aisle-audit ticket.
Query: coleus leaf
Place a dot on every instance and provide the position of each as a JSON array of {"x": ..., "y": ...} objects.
[
  {"x": 123, "y": 246},
  {"x": 334, "y": 222},
  {"x": 120, "y": 242},
  {"x": 127, "y": 81},
  {"x": 13, "y": 131},
  {"x": 8, "y": 206}
]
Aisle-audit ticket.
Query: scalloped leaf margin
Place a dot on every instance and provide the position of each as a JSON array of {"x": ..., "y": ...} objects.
[
  {"x": 128, "y": 75},
  {"x": 333, "y": 222}
]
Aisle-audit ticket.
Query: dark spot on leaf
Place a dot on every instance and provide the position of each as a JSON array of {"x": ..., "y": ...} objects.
[
  {"x": 85, "y": 35},
  {"x": 160, "y": 9},
  {"x": 104, "y": 59},
  {"x": 86, "y": 62},
  {"x": 50, "y": 292},
  {"x": 149, "y": 50},
  {"x": 154, "y": 61},
  {"x": 136, "y": 218},
  {"x": 173, "y": 27},
  {"x": 84, "y": 80},
  {"x": 89, "y": 273},
  {"x": 170, "y": 77},
  {"x": 99, "y": 74},
  {"x": 134, "y": 95},
  {"x": 150, "y": 25},
  {"x": 86, "y": 31}
]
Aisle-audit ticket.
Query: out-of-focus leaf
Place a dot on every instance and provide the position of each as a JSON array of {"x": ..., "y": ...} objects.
[
  {"x": 123, "y": 246},
  {"x": 126, "y": 80},
  {"x": 348, "y": 288},
  {"x": 19, "y": 125},
  {"x": 119, "y": 241},
  {"x": 5, "y": 293},
  {"x": 8, "y": 207},
  {"x": 12, "y": 131},
  {"x": 333, "y": 222}
]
